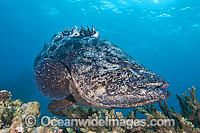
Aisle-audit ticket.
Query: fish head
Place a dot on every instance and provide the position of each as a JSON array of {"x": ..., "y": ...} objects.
[{"x": 111, "y": 78}]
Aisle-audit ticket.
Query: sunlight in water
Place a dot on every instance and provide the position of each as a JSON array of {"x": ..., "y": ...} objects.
[{"x": 152, "y": 3}]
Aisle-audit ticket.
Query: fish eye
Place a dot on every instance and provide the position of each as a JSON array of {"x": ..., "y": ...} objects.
[{"x": 125, "y": 66}]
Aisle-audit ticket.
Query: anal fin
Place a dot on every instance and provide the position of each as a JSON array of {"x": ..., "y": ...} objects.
[{"x": 61, "y": 105}]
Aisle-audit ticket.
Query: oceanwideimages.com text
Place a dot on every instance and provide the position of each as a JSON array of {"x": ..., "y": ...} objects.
[{"x": 46, "y": 121}]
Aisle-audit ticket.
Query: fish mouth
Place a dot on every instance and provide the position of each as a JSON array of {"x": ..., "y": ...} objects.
[
  {"x": 163, "y": 92},
  {"x": 164, "y": 89},
  {"x": 160, "y": 92}
]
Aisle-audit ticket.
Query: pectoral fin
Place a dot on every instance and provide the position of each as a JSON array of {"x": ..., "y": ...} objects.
[{"x": 52, "y": 79}]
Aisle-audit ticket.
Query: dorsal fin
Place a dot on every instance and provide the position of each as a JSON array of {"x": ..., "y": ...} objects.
[{"x": 74, "y": 32}]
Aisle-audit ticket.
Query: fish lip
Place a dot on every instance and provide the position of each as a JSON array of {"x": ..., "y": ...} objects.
[
  {"x": 164, "y": 90},
  {"x": 165, "y": 85}
]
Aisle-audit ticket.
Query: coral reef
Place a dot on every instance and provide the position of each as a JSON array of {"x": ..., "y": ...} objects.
[
  {"x": 188, "y": 120},
  {"x": 78, "y": 112},
  {"x": 13, "y": 116},
  {"x": 190, "y": 108}
]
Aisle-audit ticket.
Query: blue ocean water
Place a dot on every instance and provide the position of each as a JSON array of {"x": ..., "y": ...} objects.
[{"x": 164, "y": 35}]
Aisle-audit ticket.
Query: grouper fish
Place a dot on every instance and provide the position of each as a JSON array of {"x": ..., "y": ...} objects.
[{"x": 79, "y": 67}]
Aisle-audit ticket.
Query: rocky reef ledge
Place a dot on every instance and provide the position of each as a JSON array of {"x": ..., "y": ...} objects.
[{"x": 13, "y": 114}]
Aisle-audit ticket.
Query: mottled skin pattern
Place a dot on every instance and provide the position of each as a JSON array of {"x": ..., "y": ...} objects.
[{"x": 96, "y": 73}]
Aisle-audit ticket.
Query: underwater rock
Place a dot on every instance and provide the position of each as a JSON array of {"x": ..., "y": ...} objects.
[
  {"x": 31, "y": 108},
  {"x": 42, "y": 130},
  {"x": 17, "y": 125}
]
